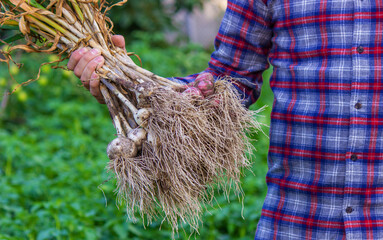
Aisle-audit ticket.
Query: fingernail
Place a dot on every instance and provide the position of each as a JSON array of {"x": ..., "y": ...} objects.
[
  {"x": 205, "y": 77},
  {"x": 205, "y": 85},
  {"x": 82, "y": 50},
  {"x": 94, "y": 76},
  {"x": 193, "y": 91},
  {"x": 99, "y": 59},
  {"x": 95, "y": 51},
  {"x": 202, "y": 85}
]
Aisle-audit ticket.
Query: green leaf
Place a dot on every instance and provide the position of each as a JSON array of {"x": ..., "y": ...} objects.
[
  {"x": 9, "y": 27},
  {"x": 12, "y": 39},
  {"x": 35, "y": 4},
  {"x": 8, "y": 3}
]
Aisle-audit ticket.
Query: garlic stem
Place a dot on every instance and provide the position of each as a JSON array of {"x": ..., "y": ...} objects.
[
  {"x": 140, "y": 115},
  {"x": 113, "y": 110},
  {"x": 93, "y": 23},
  {"x": 146, "y": 73},
  {"x": 137, "y": 135}
]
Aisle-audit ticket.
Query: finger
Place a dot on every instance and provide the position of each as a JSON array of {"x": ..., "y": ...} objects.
[
  {"x": 193, "y": 91},
  {"x": 206, "y": 87},
  {"x": 95, "y": 88},
  {"x": 75, "y": 57},
  {"x": 118, "y": 41},
  {"x": 189, "y": 85},
  {"x": 182, "y": 88},
  {"x": 204, "y": 77},
  {"x": 88, "y": 56},
  {"x": 90, "y": 68},
  {"x": 205, "y": 83}
]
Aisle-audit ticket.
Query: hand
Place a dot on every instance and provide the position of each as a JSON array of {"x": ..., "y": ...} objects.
[
  {"x": 84, "y": 62},
  {"x": 202, "y": 86}
]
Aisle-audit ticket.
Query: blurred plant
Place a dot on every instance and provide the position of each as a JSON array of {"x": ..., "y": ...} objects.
[{"x": 153, "y": 15}]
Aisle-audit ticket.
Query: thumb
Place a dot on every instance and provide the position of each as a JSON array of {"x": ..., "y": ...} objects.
[
  {"x": 118, "y": 41},
  {"x": 205, "y": 83}
]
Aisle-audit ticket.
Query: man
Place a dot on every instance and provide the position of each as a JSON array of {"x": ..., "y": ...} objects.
[{"x": 325, "y": 178}]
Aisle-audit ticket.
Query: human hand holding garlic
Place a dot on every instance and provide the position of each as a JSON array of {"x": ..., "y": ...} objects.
[{"x": 84, "y": 62}]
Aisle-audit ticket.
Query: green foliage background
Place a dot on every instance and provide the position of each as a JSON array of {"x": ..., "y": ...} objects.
[
  {"x": 150, "y": 15},
  {"x": 53, "y": 137}
]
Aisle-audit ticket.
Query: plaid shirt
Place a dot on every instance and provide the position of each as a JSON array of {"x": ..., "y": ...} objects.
[{"x": 325, "y": 178}]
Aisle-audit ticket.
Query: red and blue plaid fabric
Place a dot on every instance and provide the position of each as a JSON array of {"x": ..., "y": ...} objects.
[{"x": 325, "y": 178}]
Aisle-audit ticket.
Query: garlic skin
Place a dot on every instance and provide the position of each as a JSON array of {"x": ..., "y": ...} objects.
[
  {"x": 137, "y": 135},
  {"x": 141, "y": 117},
  {"x": 153, "y": 140},
  {"x": 121, "y": 147}
]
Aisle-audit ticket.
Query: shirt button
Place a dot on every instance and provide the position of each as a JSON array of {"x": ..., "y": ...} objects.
[
  {"x": 358, "y": 105},
  {"x": 360, "y": 49},
  {"x": 354, "y": 157},
  {"x": 349, "y": 210}
]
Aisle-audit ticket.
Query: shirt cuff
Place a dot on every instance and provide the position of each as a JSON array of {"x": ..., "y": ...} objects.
[{"x": 191, "y": 78}]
